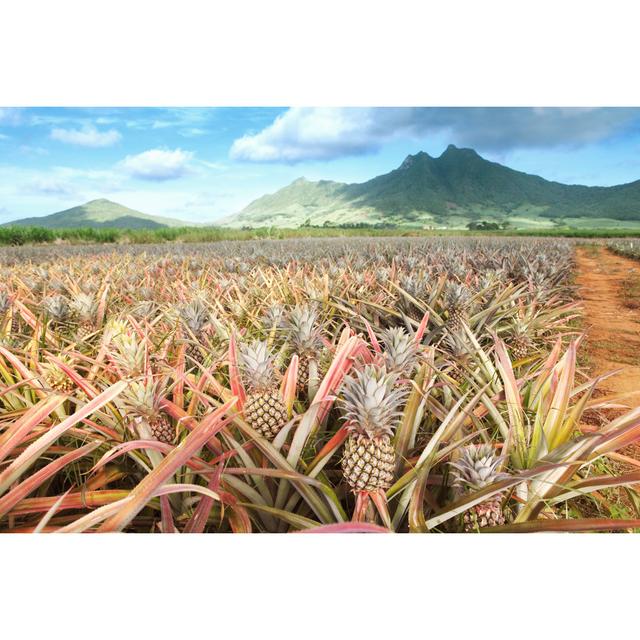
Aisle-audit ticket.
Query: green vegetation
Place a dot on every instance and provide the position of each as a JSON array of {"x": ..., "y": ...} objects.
[
  {"x": 18, "y": 236},
  {"x": 453, "y": 191},
  {"x": 99, "y": 214}
]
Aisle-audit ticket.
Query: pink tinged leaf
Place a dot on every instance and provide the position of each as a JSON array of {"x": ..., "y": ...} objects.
[
  {"x": 372, "y": 338},
  {"x": 360, "y": 508},
  {"x": 148, "y": 487},
  {"x": 198, "y": 520},
  {"x": 234, "y": 373},
  {"x": 33, "y": 451},
  {"x": 380, "y": 501},
  {"x": 75, "y": 377},
  {"x": 50, "y": 513},
  {"x": 29, "y": 485},
  {"x": 167, "y": 516},
  {"x": 577, "y": 525},
  {"x": 422, "y": 328},
  {"x": 20, "y": 429},
  {"x": 289, "y": 384}
]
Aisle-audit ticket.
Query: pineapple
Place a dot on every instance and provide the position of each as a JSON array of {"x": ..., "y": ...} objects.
[
  {"x": 55, "y": 378},
  {"x": 473, "y": 471},
  {"x": 520, "y": 339},
  {"x": 371, "y": 401},
  {"x": 457, "y": 300},
  {"x": 460, "y": 355},
  {"x": 143, "y": 415},
  {"x": 400, "y": 351},
  {"x": 83, "y": 309},
  {"x": 305, "y": 339},
  {"x": 264, "y": 409},
  {"x": 58, "y": 309},
  {"x": 195, "y": 318}
]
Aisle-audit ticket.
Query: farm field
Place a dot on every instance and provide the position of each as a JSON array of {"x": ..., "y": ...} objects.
[{"x": 324, "y": 384}]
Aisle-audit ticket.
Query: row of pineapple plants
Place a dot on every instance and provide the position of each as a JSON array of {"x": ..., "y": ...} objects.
[{"x": 387, "y": 385}]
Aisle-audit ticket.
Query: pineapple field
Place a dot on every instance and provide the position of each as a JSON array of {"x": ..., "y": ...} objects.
[{"x": 307, "y": 385}]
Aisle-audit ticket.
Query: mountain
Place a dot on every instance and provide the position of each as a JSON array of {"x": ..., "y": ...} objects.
[
  {"x": 101, "y": 214},
  {"x": 448, "y": 191}
]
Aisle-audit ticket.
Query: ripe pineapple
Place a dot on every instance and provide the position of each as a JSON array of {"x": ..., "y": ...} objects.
[
  {"x": 141, "y": 406},
  {"x": 473, "y": 471},
  {"x": 55, "y": 378},
  {"x": 457, "y": 300},
  {"x": 304, "y": 336},
  {"x": 195, "y": 318},
  {"x": 519, "y": 339},
  {"x": 371, "y": 401},
  {"x": 400, "y": 351},
  {"x": 264, "y": 409}
]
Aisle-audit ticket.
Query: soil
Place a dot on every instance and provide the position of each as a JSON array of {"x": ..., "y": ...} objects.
[{"x": 608, "y": 285}]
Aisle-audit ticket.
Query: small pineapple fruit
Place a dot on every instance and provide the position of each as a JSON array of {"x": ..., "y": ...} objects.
[
  {"x": 83, "y": 309},
  {"x": 457, "y": 300},
  {"x": 304, "y": 337},
  {"x": 264, "y": 409},
  {"x": 400, "y": 351},
  {"x": 143, "y": 413},
  {"x": 473, "y": 471},
  {"x": 55, "y": 378},
  {"x": 520, "y": 340},
  {"x": 195, "y": 318},
  {"x": 371, "y": 401}
]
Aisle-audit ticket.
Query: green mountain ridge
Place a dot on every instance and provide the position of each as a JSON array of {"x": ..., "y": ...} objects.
[
  {"x": 99, "y": 214},
  {"x": 448, "y": 191}
]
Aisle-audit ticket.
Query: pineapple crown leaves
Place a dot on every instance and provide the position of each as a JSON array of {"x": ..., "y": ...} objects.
[
  {"x": 83, "y": 305},
  {"x": 257, "y": 364},
  {"x": 195, "y": 315},
  {"x": 456, "y": 295},
  {"x": 401, "y": 350},
  {"x": 371, "y": 401},
  {"x": 57, "y": 307},
  {"x": 143, "y": 397},
  {"x": 477, "y": 468},
  {"x": 304, "y": 329}
]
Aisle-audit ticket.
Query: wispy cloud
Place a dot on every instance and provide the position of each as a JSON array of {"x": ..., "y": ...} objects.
[
  {"x": 49, "y": 187},
  {"x": 326, "y": 133},
  {"x": 158, "y": 164},
  {"x": 88, "y": 136}
]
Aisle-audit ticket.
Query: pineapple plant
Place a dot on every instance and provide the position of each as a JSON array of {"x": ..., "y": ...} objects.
[
  {"x": 457, "y": 300},
  {"x": 62, "y": 318},
  {"x": 264, "y": 409},
  {"x": 519, "y": 339},
  {"x": 142, "y": 411},
  {"x": 371, "y": 402},
  {"x": 461, "y": 360},
  {"x": 475, "y": 469},
  {"x": 195, "y": 319},
  {"x": 400, "y": 351},
  {"x": 83, "y": 310},
  {"x": 305, "y": 339}
]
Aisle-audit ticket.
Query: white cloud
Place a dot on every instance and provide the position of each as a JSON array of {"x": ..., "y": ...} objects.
[
  {"x": 158, "y": 164},
  {"x": 88, "y": 136},
  {"x": 49, "y": 187},
  {"x": 326, "y": 133}
]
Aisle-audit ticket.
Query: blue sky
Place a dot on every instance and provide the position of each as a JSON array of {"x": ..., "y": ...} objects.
[{"x": 200, "y": 164}]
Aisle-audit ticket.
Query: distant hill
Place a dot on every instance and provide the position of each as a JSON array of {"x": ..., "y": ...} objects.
[
  {"x": 451, "y": 190},
  {"x": 100, "y": 214}
]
